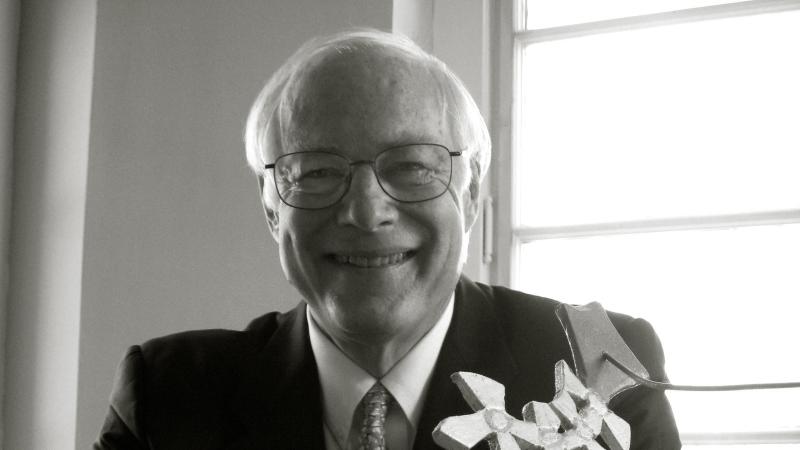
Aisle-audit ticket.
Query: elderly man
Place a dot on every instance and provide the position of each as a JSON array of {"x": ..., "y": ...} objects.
[{"x": 369, "y": 153}]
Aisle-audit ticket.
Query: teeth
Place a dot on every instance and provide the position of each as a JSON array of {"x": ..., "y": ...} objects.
[{"x": 375, "y": 261}]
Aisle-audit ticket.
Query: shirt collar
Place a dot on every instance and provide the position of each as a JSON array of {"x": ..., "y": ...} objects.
[{"x": 344, "y": 383}]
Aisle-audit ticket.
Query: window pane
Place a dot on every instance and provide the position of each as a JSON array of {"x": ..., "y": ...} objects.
[
  {"x": 553, "y": 13},
  {"x": 683, "y": 120},
  {"x": 725, "y": 304}
]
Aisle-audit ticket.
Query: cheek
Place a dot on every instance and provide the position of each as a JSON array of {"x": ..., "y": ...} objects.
[
  {"x": 294, "y": 238},
  {"x": 297, "y": 231},
  {"x": 296, "y": 242},
  {"x": 304, "y": 232},
  {"x": 445, "y": 222},
  {"x": 454, "y": 224}
]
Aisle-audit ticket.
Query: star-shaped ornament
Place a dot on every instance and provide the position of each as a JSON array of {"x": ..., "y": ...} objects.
[
  {"x": 489, "y": 422},
  {"x": 582, "y": 415},
  {"x": 572, "y": 421}
]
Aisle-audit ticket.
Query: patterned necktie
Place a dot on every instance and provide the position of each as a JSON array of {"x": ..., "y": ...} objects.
[{"x": 373, "y": 427}]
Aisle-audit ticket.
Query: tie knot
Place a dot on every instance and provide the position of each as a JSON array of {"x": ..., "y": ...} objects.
[{"x": 377, "y": 395}]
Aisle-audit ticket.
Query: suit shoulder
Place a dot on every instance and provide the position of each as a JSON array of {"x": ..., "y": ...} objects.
[
  {"x": 535, "y": 316},
  {"x": 516, "y": 305},
  {"x": 526, "y": 321},
  {"x": 219, "y": 347},
  {"x": 642, "y": 339}
]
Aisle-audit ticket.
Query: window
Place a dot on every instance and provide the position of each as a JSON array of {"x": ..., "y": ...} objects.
[{"x": 655, "y": 167}]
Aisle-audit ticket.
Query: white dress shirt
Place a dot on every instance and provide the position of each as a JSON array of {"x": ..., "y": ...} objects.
[{"x": 344, "y": 384}]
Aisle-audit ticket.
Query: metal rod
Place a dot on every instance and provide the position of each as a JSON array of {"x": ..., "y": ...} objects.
[
  {"x": 682, "y": 387},
  {"x": 761, "y": 218}
]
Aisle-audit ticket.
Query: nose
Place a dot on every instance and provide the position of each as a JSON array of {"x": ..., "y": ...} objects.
[{"x": 366, "y": 206}]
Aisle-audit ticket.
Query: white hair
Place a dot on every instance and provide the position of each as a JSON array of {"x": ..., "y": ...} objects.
[{"x": 266, "y": 124}]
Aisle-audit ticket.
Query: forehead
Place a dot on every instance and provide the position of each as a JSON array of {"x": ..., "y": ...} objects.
[{"x": 364, "y": 98}]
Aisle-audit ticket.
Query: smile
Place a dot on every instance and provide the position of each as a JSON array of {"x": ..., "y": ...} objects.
[{"x": 370, "y": 262}]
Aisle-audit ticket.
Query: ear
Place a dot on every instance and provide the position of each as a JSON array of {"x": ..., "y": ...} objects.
[
  {"x": 270, "y": 213},
  {"x": 272, "y": 221},
  {"x": 471, "y": 202}
]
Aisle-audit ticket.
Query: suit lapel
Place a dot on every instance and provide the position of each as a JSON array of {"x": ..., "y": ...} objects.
[
  {"x": 474, "y": 343},
  {"x": 278, "y": 400}
]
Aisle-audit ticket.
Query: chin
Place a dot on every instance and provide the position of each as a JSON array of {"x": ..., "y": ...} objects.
[{"x": 366, "y": 329}]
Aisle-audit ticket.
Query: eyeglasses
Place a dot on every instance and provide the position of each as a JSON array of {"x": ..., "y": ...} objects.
[{"x": 319, "y": 179}]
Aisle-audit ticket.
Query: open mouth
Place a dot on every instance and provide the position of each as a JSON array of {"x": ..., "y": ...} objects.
[{"x": 373, "y": 262}]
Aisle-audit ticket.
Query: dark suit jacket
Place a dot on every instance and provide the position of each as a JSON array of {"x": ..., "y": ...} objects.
[{"x": 259, "y": 388}]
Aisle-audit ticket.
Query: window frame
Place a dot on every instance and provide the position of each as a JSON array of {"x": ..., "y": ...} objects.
[{"x": 510, "y": 39}]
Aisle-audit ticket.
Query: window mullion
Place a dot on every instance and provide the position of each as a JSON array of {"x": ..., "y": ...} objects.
[
  {"x": 714, "y": 12},
  {"x": 527, "y": 234},
  {"x": 740, "y": 438}
]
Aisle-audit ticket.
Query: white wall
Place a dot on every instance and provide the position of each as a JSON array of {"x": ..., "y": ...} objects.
[
  {"x": 9, "y": 35},
  {"x": 134, "y": 212},
  {"x": 54, "y": 85},
  {"x": 175, "y": 237}
]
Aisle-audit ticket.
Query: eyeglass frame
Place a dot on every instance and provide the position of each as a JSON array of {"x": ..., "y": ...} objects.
[{"x": 371, "y": 163}]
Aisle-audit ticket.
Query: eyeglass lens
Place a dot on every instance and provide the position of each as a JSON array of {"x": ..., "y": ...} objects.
[{"x": 316, "y": 179}]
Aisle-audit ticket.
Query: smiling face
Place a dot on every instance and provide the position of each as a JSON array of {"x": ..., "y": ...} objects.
[{"x": 372, "y": 269}]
